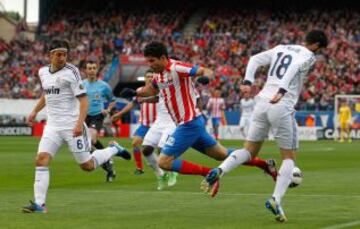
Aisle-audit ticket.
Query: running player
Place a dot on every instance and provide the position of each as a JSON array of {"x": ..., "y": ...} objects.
[
  {"x": 98, "y": 93},
  {"x": 247, "y": 106},
  {"x": 216, "y": 106},
  {"x": 174, "y": 83},
  {"x": 147, "y": 117},
  {"x": 289, "y": 66},
  {"x": 345, "y": 121},
  {"x": 66, "y": 103}
]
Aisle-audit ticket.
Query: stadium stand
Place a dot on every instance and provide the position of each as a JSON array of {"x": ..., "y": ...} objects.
[{"x": 224, "y": 41}]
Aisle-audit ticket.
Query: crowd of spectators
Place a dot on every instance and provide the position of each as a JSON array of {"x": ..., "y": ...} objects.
[{"x": 224, "y": 41}]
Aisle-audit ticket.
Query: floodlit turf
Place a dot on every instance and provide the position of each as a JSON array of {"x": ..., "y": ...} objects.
[{"x": 329, "y": 195}]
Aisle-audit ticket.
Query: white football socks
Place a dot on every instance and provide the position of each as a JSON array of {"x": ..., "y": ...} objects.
[
  {"x": 41, "y": 184},
  {"x": 283, "y": 179},
  {"x": 153, "y": 163},
  {"x": 236, "y": 158},
  {"x": 103, "y": 155}
]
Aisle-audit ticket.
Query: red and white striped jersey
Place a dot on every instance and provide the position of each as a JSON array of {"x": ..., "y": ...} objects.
[
  {"x": 215, "y": 106},
  {"x": 147, "y": 113},
  {"x": 177, "y": 89}
]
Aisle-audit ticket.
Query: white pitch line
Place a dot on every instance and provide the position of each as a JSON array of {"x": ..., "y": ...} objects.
[
  {"x": 343, "y": 225},
  {"x": 227, "y": 194}
]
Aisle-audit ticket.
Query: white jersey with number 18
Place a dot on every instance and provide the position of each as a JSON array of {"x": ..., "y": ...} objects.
[{"x": 289, "y": 65}]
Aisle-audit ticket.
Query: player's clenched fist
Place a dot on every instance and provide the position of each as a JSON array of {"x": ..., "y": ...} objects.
[
  {"x": 31, "y": 118},
  {"x": 77, "y": 131}
]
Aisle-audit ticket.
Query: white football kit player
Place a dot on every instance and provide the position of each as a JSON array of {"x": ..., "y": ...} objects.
[
  {"x": 247, "y": 107},
  {"x": 163, "y": 127},
  {"x": 289, "y": 65},
  {"x": 61, "y": 90}
]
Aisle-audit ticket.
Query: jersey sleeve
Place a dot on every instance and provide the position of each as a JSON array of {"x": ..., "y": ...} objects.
[
  {"x": 186, "y": 70},
  {"x": 260, "y": 59},
  {"x": 76, "y": 83}
]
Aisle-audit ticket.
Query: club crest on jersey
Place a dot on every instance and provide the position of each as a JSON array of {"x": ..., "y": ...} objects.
[
  {"x": 53, "y": 90},
  {"x": 81, "y": 86}
]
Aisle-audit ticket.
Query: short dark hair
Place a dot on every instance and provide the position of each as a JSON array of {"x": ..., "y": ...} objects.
[
  {"x": 155, "y": 49},
  {"x": 58, "y": 43},
  {"x": 317, "y": 36},
  {"x": 91, "y": 62},
  {"x": 149, "y": 71}
]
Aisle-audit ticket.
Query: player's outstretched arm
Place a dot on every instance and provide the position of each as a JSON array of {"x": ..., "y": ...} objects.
[
  {"x": 110, "y": 107},
  {"x": 123, "y": 111},
  {"x": 201, "y": 71},
  {"x": 84, "y": 104},
  {"x": 147, "y": 91},
  {"x": 151, "y": 99},
  {"x": 38, "y": 107}
]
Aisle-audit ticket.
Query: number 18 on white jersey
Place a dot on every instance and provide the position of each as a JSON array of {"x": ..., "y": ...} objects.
[{"x": 289, "y": 65}]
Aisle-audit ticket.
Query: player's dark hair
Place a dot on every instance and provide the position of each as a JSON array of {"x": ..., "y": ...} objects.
[
  {"x": 174, "y": 57},
  {"x": 317, "y": 36},
  {"x": 91, "y": 62},
  {"x": 57, "y": 43},
  {"x": 155, "y": 49},
  {"x": 149, "y": 71}
]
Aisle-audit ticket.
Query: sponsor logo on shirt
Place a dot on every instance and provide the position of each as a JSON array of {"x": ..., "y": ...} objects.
[{"x": 53, "y": 90}]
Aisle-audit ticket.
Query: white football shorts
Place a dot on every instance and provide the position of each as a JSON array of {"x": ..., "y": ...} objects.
[
  {"x": 277, "y": 117},
  {"x": 53, "y": 138},
  {"x": 158, "y": 133}
]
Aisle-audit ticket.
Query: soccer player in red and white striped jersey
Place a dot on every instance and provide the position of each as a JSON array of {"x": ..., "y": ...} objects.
[
  {"x": 147, "y": 112},
  {"x": 215, "y": 106},
  {"x": 175, "y": 84}
]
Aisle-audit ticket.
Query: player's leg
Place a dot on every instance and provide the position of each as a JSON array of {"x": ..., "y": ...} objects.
[
  {"x": 257, "y": 133},
  {"x": 150, "y": 142},
  {"x": 216, "y": 124},
  {"x": 81, "y": 146},
  {"x": 183, "y": 137},
  {"x": 48, "y": 146},
  {"x": 286, "y": 134},
  {"x": 242, "y": 126},
  {"x": 95, "y": 124},
  {"x": 342, "y": 131},
  {"x": 348, "y": 131},
  {"x": 136, "y": 144},
  {"x": 169, "y": 130}
]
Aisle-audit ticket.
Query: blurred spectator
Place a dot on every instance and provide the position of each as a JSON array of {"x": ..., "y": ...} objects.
[{"x": 224, "y": 41}]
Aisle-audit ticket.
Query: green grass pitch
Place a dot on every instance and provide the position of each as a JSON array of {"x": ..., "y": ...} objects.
[{"x": 329, "y": 195}]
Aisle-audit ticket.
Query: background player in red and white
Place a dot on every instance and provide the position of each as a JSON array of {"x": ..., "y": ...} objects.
[
  {"x": 247, "y": 105},
  {"x": 289, "y": 66},
  {"x": 148, "y": 113},
  {"x": 66, "y": 104},
  {"x": 175, "y": 85},
  {"x": 216, "y": 106}
]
